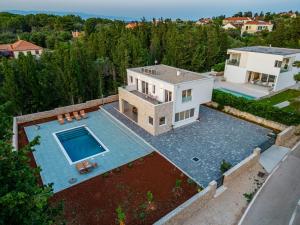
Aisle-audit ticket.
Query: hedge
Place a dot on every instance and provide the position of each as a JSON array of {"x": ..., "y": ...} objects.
[{"x": 257, "y": 108}]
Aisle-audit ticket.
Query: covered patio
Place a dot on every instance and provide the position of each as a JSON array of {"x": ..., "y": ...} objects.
[{"x": 262, "y": 79}]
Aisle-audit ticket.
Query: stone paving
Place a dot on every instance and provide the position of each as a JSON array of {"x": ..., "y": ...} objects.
[{"x": 216, "y": 136}]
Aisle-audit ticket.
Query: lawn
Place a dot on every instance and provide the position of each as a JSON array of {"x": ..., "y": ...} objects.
[{"x": 291, "y": 95}]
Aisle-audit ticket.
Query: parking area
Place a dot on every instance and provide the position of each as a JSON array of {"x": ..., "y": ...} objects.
[{"x": 199, "y": 148}]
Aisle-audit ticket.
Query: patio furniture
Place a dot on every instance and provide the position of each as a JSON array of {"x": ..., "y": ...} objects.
[
  {"x": 85, "y": 166},
  {"x": 61, "y": 119},
  {"x": 83, "y": 114},
  {"x": 81, "y": 168},
  {"x": 76, "y": 115},
  {"x": 68, "y": 117}
]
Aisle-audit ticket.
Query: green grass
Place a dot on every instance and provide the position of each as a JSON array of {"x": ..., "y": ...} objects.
[{"x": 288, "y": 95}]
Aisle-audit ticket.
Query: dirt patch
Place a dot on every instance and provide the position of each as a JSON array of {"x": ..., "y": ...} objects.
[{"x": 95, "y": 201}]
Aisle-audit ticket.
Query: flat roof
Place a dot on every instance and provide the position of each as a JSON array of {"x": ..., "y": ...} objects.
[
  {"x": 169, "y": 74},
  {"x": 268, "y": 50}
]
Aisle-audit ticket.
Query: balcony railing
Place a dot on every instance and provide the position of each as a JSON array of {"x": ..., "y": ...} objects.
[{"x": 233, "y": 62}]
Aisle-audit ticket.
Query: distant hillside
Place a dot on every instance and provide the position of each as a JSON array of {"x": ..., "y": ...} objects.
[{"x": 82, "y": 15}]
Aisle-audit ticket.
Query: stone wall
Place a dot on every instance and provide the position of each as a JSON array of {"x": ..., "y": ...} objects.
[
  {"x": 242, "y": 167},
  {"x": 188, "y": 208},
  {"x": 250, "y": 117},
  {"x": 285, "y": 135},
  {"x": 65, "y": 109}
]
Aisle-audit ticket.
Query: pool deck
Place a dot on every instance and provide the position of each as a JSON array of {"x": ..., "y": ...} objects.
[
  {"x": 215, "y": 137},
  {"x": 123, "y": 146},
  {"x": 247, "y": 89}
]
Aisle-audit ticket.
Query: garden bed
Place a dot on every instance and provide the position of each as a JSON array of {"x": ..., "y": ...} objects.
[{"x": 96, "y": 200}]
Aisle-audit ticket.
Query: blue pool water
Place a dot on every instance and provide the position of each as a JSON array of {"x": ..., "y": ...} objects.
[
  {"x": 238, "y": 94},
  {"x": 79, "y": 143}
]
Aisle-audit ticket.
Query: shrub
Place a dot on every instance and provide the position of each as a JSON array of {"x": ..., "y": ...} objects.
[
  {"x": 256, "y": 108},
  {"x": 149, "y": 196},
  {"x": 225, "y": 166},
  {"x": 297, "y": 77},
  {"x": 219, "y": 67},
  {"x": 178, "y": 183},
  {"x": 248, "y": 196},
  {"x": 121, "y": 215}
]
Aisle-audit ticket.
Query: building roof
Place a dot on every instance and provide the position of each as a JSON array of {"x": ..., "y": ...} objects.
[
  {"x": 258, "y": 22},
  {"x": 169, "y": 74},
  {"x": 20, "y": 46},
  {"x": 131, "y": 25},
  {"x": 268, "y": 50},
  {"x": 5, "y": 47},
  {"x": 237, "y": 18},
  {"x": 24, "y": 46}
]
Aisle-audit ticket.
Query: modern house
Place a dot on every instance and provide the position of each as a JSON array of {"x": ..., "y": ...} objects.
[
  {"x": 262, "y": 66},
  {"x": 21, "y": 46},
  {"x": 159, "y": 97},
  {"x": 252, "y": 27}
]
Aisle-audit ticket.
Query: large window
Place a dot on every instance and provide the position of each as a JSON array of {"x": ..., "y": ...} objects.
[
  {"x": 131, "y": 79},
  {"x": 187, "y": 95},
  {"x": 278, "y": 63},
  {"x": 168, "y": 96},
  {"x": 184, "y": 115},
  {"x": 153, "y": 88},
  {"x": 145, "y": 87}
]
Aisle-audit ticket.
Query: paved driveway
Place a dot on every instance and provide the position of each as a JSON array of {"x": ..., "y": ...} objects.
[
  {"x": 216, "y": 137},
  {"x": 277, "y": 201}
]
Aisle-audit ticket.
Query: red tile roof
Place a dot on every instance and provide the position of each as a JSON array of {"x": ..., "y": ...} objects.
[
  {"x": 131, "y": 25},
  {"x": 24, "y": 46},
  {"x": 237, "y": 18},
  {"x": 258, "y": 23},
  {"x": 5, "y": 47}
]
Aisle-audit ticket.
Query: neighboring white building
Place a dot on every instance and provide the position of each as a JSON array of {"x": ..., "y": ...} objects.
[
  {"x": 264, "y": 66},
  {"x": 252, "y": 27},
  {"x": 21, "y": 46},
  {"x": 159, "y": 97},
  {"x": 228, "y": 26}
]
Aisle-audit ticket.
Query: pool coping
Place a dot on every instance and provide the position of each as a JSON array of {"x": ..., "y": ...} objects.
[{"x": 65, "y": 152}]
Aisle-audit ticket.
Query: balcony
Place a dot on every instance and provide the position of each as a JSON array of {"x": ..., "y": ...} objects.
[
  {"x": 148, "y": 98},
  {"x": 233, "y": 62}
]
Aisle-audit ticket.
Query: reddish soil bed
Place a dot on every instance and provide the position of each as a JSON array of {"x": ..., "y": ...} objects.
[{"x": 95, "y": 201}]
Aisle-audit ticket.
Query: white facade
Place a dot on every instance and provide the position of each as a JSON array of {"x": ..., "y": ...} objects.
[
  {"x": 36, "y": 53},
  {"x": 256, "y": 26},
  {"x": 197, "y": 91},
  {"x": 263, "y": 66}
]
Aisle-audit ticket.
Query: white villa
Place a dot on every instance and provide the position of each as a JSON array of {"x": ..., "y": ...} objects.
[
  {"x": 252, "y": 27},
  {"x": 159, "y": 97},
  {"x": 268, "y": 67}
]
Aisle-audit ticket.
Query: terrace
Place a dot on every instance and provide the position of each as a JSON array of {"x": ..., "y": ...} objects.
[{"x": 57, "y": 169}]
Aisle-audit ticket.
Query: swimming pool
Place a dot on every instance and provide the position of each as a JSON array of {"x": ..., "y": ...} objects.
[
  {"x": 79, "y": 143},
  {"x": 238, "y": 94}
]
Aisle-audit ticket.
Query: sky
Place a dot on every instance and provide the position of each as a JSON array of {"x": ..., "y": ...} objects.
[{"x": 184, "y": 9}]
